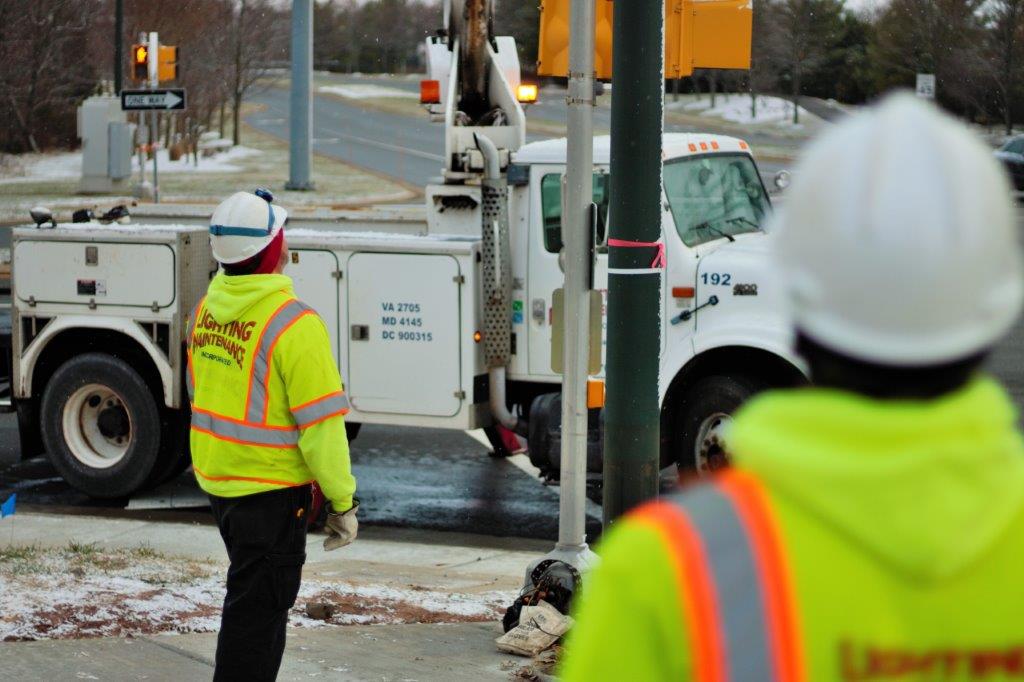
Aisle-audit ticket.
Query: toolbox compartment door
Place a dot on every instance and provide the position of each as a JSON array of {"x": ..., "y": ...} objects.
[
  {"x": 404, "y": 334},
  {"x": 314, "y": 275},
  {"x": 101, "y": 273}
]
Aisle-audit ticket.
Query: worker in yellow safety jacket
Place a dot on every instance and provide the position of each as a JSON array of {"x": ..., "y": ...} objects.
[
  {"x": 872, "y": 526},
  {"x": 267, "y": 422}
]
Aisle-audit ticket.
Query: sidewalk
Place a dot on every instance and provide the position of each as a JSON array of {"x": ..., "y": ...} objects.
[
  {"x": 372, "y": 652},
  {"x": 410, "y": 605}
]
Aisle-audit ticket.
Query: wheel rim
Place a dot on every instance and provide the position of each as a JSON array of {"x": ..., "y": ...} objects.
[
  {"x": 711, "y": 452},
  {"x": 97, "y": 426}
]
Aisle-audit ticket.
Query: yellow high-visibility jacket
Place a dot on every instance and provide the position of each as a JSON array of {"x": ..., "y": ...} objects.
[
  {"x": 855, "y": 539},
  {"x": 267, "y": 399}
]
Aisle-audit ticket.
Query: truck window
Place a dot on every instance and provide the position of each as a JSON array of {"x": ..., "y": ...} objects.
[
  {"x": 551, "y": 208},
  {"x": 714, "y": 195}
]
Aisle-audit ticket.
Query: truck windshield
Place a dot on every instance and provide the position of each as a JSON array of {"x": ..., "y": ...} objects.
[{"x": 715, "y": 195}]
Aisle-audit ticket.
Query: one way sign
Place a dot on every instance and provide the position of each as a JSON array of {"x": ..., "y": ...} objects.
[{"x": 163, "y": 100}]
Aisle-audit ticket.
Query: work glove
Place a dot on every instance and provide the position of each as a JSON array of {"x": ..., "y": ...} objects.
[{"x": 341, "y": 528}]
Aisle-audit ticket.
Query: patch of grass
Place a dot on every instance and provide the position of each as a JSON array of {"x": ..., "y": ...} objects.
[
  {"x": 82, "y": 549},
  {"x": 337, "y": 184},
  {"x": 146, "y": 551},
  {"x": 19, "y": 560},
  {"x": 19, "y": 552},
  {"x": 89, "y": 561}
]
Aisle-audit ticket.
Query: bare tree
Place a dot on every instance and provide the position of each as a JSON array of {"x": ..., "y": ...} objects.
[
  {"x": 255, "y": 38},
  {"x": 43, "y": 75},
  {"x": 802, "y": 35},
  {"x": 762, "y": 76}
]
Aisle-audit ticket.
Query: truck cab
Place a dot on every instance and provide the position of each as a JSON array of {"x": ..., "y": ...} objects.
[{"x": 723, "y": 336}]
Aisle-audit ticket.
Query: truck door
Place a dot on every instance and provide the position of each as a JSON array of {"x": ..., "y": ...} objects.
[
  {"x": 404, "y": 334},
  {"x": 316, "y": 284},
  {"x": 544, "y": 273}
]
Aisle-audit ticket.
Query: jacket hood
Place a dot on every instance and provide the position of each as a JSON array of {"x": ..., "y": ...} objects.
[
  {"x": 228, "y": 298},
  {"x": 924, "y": 486}
]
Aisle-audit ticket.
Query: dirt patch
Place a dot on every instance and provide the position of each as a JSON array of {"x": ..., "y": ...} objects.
[
  {"x": 82, "y": 591},
  {"x": 349, "y": 608}
]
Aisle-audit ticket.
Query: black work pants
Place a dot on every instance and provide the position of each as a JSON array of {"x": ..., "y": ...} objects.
[{"x": 265, "y": 535}]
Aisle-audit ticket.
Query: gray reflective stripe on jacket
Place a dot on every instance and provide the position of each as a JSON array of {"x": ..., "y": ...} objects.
[
  {"x": 739, "y": 594},
  {"x": 329, "y": 405},
  {"x": 284, "y": 316},
  {"x": 252, "y": 434}
]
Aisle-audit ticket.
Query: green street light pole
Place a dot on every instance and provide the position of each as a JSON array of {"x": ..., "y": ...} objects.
[{"x": 631, "y": 446}]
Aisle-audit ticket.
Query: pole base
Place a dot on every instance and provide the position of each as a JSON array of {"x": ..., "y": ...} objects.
[
  {"x": 580, "y": 557},
  {"x": 143, "y": 190},
  {"x": 300, "y": 186}
]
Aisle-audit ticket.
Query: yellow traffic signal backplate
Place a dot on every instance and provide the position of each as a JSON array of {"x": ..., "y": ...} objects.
[{"x": 699, "y": 34}]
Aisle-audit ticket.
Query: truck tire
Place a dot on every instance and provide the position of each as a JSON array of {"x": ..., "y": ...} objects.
[
  {"x": 704, "y": 410},
  {"x": 101, "y": 425}
]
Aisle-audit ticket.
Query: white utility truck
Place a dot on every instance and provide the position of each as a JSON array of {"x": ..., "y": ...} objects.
[{"x": 439, "y": 318}]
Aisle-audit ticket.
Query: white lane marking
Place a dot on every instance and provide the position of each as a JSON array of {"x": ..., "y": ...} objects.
[
  {"x": 388, "y": 147},
  {"x": 523, "y": 463},
  {"x": 479, "y": 437}
]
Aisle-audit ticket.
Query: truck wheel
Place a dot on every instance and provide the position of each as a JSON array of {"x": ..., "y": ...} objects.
[
  {"x": 100, "y": 425},
  {"x": 703, "y": 416}
]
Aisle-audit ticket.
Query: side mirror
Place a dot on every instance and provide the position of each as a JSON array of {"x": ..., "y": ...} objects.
[
  {"x": 41, "y": 214},
  {"x": 782, "y": 180}
]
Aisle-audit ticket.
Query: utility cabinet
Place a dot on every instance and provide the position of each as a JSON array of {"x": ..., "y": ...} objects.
[{"x": 404, "y": 334}]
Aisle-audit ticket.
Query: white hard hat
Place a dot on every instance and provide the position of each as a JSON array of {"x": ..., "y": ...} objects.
[
  {"x": 896, "y": 243},
  {"x": 244, "y": 224}
]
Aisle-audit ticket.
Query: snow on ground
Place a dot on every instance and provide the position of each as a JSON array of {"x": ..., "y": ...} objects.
[
  {"x": 365, "y": 91},
  {"x": 68, "y": 165},
  {"x": 224, "y": 162},
  {"x": 83, "y": 591},
  {"x": 736, "y": 108}
]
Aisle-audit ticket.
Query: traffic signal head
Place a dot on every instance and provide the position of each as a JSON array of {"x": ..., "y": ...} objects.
[{"x": 140, "y": 62}]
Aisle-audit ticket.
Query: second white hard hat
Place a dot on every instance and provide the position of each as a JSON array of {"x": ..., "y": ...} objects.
[
  {"x": 244, "y": 224},
  {"x": 896, "y": 243}
]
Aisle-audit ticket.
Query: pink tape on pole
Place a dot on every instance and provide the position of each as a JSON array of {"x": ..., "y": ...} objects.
[{"x": 659, "y": 258}]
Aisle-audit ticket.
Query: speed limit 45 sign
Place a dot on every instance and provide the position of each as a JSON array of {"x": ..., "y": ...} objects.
[{"x": 926, "y": 85}]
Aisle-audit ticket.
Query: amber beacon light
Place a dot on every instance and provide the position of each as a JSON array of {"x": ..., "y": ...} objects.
[{"x": 526, "y": 93}]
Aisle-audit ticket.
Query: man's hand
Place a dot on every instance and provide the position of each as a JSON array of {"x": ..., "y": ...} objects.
[{"x": 342, "y": 528}]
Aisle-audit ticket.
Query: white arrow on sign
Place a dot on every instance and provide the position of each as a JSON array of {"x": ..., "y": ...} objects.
[{"x": 156, "y": 100}]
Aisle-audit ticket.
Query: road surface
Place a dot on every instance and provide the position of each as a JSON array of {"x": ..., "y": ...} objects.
[{"x": 411, "y": 148}]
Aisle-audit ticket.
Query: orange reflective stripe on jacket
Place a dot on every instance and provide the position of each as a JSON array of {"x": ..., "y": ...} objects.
[
  {"x": 190, "y": 375},
  {"x": 733, "y": 578}
]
